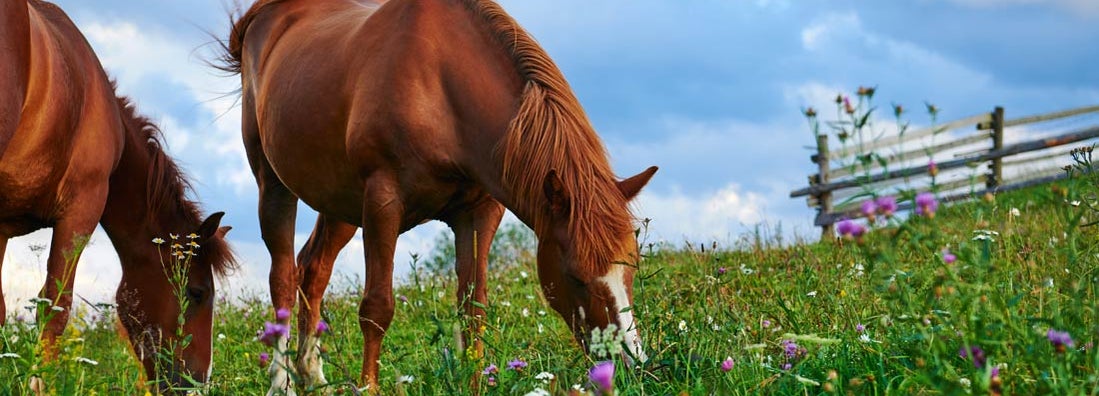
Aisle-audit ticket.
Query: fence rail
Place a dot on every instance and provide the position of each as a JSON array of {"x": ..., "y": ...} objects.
[{"x": 972, "y": 150}]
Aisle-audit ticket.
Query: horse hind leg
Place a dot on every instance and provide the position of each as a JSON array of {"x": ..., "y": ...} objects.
[{"x": 315, "y": 266}]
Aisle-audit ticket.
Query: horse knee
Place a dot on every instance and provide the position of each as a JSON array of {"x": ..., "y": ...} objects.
[{"x": 376, "y": 312}]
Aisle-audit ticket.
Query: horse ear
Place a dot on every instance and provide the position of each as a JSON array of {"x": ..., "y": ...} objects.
[
  {"x": 556, "y": 194},
  {"x": 631, "y": 186},
  {"x": 210, "y": 226},
  {"x": 222, "y": 231}
]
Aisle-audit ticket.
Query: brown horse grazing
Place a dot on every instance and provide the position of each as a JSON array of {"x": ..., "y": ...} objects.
[
  {"x": 385, "y": 115},
  {"x": 73, "y": 155}
]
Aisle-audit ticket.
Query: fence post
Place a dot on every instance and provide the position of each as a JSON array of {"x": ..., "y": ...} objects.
[
  {"x": 996, "y": 176},
  {"x": 825, "y": 198}
]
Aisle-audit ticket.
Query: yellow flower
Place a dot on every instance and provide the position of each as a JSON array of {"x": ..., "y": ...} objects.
[
  {"x": 843, "y": 293},
  {"x": 192, "y": 236}
]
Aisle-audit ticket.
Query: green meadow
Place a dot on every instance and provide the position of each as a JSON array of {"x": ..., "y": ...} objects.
[{"x": 1012, "y": 312}]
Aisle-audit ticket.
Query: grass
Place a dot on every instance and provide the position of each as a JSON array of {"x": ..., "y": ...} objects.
[{"x": 1035, "y": 272}]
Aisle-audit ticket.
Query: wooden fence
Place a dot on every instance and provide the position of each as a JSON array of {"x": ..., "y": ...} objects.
[{"x": 843, "y": 182}]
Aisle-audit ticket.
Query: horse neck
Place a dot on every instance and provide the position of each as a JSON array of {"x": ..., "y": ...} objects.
[{"x": 128, "y": 218}]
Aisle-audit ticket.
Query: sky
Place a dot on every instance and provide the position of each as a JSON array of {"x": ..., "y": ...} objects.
[{"x": 711, "y": 91}]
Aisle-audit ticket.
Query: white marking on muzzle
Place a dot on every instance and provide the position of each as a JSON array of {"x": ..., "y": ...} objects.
[{"x": 615, "y": 281}]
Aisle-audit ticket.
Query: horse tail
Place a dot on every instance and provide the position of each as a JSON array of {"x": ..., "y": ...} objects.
[{"x": 230, "y": 48}]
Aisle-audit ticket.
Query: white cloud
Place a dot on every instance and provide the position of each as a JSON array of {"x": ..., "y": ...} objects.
[
  {"x": 718, "y": 215},
  {"x": 97, "y": 273}
]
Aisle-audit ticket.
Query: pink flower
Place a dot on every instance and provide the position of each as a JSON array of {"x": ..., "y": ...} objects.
[
  {"x": 869, "y": 209},
  {"x": 264, "y": 358},
  {"x": 727, "y": 364},
  {"x": 322, "y": 327},
  {"x": 887, "y": 205},
  {"x": 491, "y": 369},
  {"x": 272, "y": 332},
  {"x": 948, "y": 257},
  {"x": 517, "y": 365},
  {"x": 926, "y": 204},
  {"x": 602, "y": 375}
]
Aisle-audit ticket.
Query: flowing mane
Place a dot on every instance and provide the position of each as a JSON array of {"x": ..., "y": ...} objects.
[
  {"x": 550, "y": 131},
  {"x": 167, "y": 186}
]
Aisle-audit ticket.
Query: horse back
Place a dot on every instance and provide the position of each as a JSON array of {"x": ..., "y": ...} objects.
[
  {"x": 69, "y": 136},
  {"x": 375, "y": 89}
]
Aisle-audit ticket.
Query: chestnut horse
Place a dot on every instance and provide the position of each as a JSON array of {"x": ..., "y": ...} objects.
[
  {"x": 386, "y": 115},
  {"x": 73, "y": 155}
]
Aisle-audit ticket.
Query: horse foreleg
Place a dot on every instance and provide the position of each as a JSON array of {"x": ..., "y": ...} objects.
[
  {"x": 3, "y": 306},
  {"x": 70, "y": 236},
  {"x": 473, "y": 233},
  {"x": 382, "y": 211},
  {"x": 315, "y": 266}
]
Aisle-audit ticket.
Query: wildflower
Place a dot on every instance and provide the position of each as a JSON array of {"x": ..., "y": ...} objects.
[
  {"x": 1060, "y": 340},
  {"x": 405, "y": 379},
  {"x": 887, "y": 205},
  {"x": 158, "y": 241},
  {"x": 491, "y": 380},
  {"x": 404, "y": 299},
  {"x": 790, "y": 348},
  {"x": 948, "y": 257},
  {"x": 727, "y": 364},
  {"x": 847, "y": 105},
  {"x": 81, "y": 359},
  {"x": 682, "y": 325},
  {"x": 860, "y": 328},
  {"x": 173, "y": 236},
  {"x": 787, "y": 366},
  {"x": 964, "y": 382},
  {"x": 974, "y": 353},
  {"x": 766, "y": 323},
  {"x": 869, "y": 209},
  {"x": 526, "y": 312},
  {"x": 491, "y": 369},
  {"x": 1014, "y": 212},
  {"x": 517, "y": 365},
  {"x": 810, "y": 112},
  {"x": 545, "y": 377},
  {"x": 272, "y": 332},
  {"x": 812, "y": 293},
  {"x": 538, "y": 392},
  {"x": 721, "y": 270},
  {"x": 866, "y": 91},
  {"x": 322, "y": 327},
  {"x": 602, "y": 375},
  {"x": 932, "y": 109},
  {"x": 995, "y": 384},
  {"x": 264, "y": 358},
  {"x": 898, "y": 110},
  {"x": 932, "y": 168},
  {"x": 523, "y": 274},
  {"x": 282, "y": 314},
  {"x": 221, "y": 336},
  {"x": 926, "y": 204}
]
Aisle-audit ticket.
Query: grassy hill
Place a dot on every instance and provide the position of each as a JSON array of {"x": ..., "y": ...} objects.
[{"x": 884, "y": 314}]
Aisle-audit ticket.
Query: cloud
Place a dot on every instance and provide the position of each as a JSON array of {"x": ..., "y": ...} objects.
[
  {"x": 97, "y": 273},
  {"x": 716, "y": 216},
  {"x": 1088, "y": 8}
]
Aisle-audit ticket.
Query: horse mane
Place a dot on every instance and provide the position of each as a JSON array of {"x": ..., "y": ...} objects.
[
  {"x": 550, "y": 131},
  {"x": 167, "y": 186}
]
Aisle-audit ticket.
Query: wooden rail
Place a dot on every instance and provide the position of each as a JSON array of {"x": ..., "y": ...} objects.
[{"x": 983, "y": 150}]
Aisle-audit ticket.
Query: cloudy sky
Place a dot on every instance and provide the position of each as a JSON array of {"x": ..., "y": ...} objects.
[{"x": 709, "y": 90}]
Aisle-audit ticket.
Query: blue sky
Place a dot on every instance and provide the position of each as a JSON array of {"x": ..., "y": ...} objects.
[{"x": 710, "y": 91}]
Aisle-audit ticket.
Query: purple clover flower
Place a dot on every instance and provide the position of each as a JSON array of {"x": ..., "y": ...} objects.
[
  {"x": 602, "y": 375},
  {"x": 860, "y": 328},
  {"x": 282, "y": 314},
  {"x": 272, "y": 332},
  {"x": 887, "y": 205},
  {"x": 926, "y": 204},
  {"x": 1060, "y": 340},
  {"x": 974, "y": 353},
  {"x": 517, "y": 365}
]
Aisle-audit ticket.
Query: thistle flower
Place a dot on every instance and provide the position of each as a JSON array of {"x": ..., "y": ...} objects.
[
  {"x": 926, "y": 204},
  {"x": 869, "y": 209},
  {"x": 322, "y": 327},
  {"x": 264, "y": 358},
  {"x": 932, "y": 168},
  {"x": 790, "y": 348},
  {"x": 1060, "y": 340},
  {"x": 272, "y": 331},
  {"x": 948, "y": 257},
  {"x": 282, "y": 314},
  {"x": 491, "y": 380},
  {"x": 491, "y": 369},
  {"x": 517, "y": 365},
  {"x": 727, "y": 364},
  {"x": 602, "y": 375},
  {"x": 860, "y": 328},
  {"x": 721, "y": 270},
  {"x": 974, "y": 353},
  {"x": 887, "y": 205},
  {"x": 810, "y": 112},
  {"x": 847, "y": 105},
  {"x": 849, "y": 228}
]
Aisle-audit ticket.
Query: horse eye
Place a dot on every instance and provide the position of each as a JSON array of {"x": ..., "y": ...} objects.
[{"x": 195, "y": 295}]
